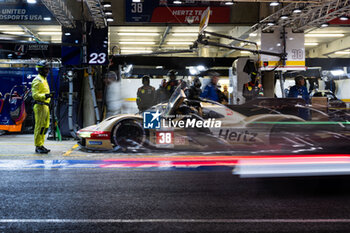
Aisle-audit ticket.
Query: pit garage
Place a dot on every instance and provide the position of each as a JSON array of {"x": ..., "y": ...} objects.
[{"x": 174, "y": 116}]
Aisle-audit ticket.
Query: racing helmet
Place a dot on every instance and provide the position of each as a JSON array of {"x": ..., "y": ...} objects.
[
  {"x": 41, "y": 65},
  {"x": 172, "y": 73}
]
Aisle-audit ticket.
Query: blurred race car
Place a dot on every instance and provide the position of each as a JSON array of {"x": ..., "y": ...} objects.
[{"x": 201, "y": 125}]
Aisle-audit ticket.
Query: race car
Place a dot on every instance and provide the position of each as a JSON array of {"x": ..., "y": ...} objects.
[{"x": 204, "y": 125}]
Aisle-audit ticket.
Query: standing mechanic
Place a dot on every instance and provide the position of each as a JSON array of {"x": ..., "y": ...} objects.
[
  {"x": 211, "y": 90},
  {"x": 42, "y": 96},
  {"x": 145, "y": 95},
  {"x": 172, "y": 84},
  {"x": 299, "y": 90},
  {"x": 253, "y": 89}
]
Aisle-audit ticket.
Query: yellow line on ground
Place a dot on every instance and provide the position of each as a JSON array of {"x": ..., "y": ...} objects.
[{"x": 71, "y": 150}]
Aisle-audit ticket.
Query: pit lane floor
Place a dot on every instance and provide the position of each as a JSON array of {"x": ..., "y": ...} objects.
[{"x": 38, "y": 194}]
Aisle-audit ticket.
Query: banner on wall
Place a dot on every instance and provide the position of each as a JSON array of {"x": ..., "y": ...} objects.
[
  {"x": 158, "y": 11},
  {"x": 22, "y": 13}
]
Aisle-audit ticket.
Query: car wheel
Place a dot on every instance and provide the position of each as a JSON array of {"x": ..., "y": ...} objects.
[{"x": 128, "y": 134}]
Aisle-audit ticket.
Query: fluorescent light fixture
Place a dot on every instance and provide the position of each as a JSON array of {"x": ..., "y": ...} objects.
[
  {"x": 179, "y": 34},
  {"x": 193, "y": 71},
  {"x": 271, "y": 24},
  {"x": 14, "y": 33},
  {"x": 324, "y": 35},
  {"x": 297, "y": 11},
  {"x": 31, "y": 1},
  {"x": 179, "y": 43},
  {"x": 135, "y": 51},
  {"x": 109, "y": 19},
  {"x": 136, "y": 0},
  {"x": 108, "y": 12},
  {"x": 47, "y": 18},
  {"x": 138, "y": 34},
  {"x": 159, "y": 67},
  {"x": 67, "y": 34},
  {"x": 50, "y": 33},
  {"x": 324, "y": 25},
  {"x": 337, "y": 72},
  {"x": 344, "y": 18},
  {"x": 228, "y": 3},
  {"x": 284, "y": 17},
  {"x": 253, "y": 34},
  {"x": 310, "y": 43},
  {"x": 177, "y": 2},
  {"x": 106, "y": 4},
  {"x": 137, "y": 42},
  {"x": 274, "y": 3},
  {"x": 342, "y": 52},
  {"x": 245, "y": 52}
]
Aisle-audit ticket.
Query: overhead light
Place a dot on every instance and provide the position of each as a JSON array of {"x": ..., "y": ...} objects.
[
  {"x": 310, "y": 43},
  {"x": 284, "y": 17},
  {"x": 14, "y": 33},
  {"x": 344, "y": 18},
  {"x": 47, "y": 18},
  {"x": 297, "y": 11},
  {"x": 245, "y": 52},
  {"x": 342, "y": 52},
  {"x": 177, "y": 2},
  {"x": 179, "y": 43},
  {"x": 67, "y": 34},
  {"x": 274, "y": 3},
  {"x": 324, "y": 35},
  {"x": 137, "y": 42},
  {"x": 201, "y": 68},
  {"x": 324, "y": 25},
  {"x": 228, "y": 3},
  {"x": 159, "y": 67},
  {"x": 135, "y": 51},
  {"x": 271, "y": 24},
  {"x": 193, "y": 71},
  {"x": 50, "y": 33},
  {"x": 253, "y": 34},
  {"x": 31, "y": 1},
  {"x": 138, "y": 33},
  {"x": 109, "y": 19},
  {"x": 106, "y": 4},
  {"x": 337, "y": 72},
  {"x": 136, "y": 0},
  {"x": 108, "y": 12},
  {"x": 184, "y": 34}
]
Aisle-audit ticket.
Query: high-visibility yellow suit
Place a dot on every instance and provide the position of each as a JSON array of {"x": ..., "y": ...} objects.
[{"x": 40, "y": 88}]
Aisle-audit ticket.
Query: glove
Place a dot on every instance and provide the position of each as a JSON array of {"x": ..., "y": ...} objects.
[{"x": 49, "y": 95}]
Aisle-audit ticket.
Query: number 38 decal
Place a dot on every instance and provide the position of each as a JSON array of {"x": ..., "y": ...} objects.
[{"x": 97, "y": 58}]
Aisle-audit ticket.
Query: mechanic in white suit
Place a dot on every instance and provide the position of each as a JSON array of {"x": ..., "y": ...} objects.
[{"x": 113, "y": 94}]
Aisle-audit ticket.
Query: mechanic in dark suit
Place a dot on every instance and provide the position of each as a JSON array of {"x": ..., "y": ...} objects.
[
  {"x": 211, "y": 90},
  {"x": 172, "y": 84},
  {"x": 145, "y": 95},
  {"x": 253, "y": 89},
  {"x": 300, "y": 91}
]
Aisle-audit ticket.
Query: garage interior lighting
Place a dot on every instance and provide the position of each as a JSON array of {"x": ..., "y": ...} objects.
[
  {"x": 50, "y": 33},
  {"x": 179, "y": 43},
  {"x": 274, "y": 3},
  {"x": 297, "y": 11},
  {"x": 136, "y": 0},
  {"x": 271, "y": 24},
  {"x": 311, "y": 43},
  {"x": 14, "y": 33},
  {"x": 47, "y": 18},
  {"x": 337, "y": 72},
  {"x": 109, "y": 19},
  {"x": 245, "y": 52},
  {"x": 228, "y": 3},
  {"x": 184, "y": 34},
  {"x": 177, "y": 2},
  {"x": 324, "y": 35},
  {"x": 344, "y": 18},
  {"x": 31, "y": 1},
  {"x": 284, "y": 17},
  {"x": 135, "y": 51},
  {"x": 253, "y": 34},
  {"x": 138, "y": 34},
  {"x": 137, "y": 42},
  {"x": 342, "y": 52},
  {"x": 106, "y": 4},
  {"x": 108, "y": 12},
  {"x": 324, "y": 25}
]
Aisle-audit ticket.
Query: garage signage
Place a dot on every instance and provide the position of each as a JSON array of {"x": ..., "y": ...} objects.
[
  {"x": 23, "y": 13},
  {"x": 161, "y": 12}
]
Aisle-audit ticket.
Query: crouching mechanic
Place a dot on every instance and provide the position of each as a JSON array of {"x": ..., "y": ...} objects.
[{"x": 42, "y": 96}]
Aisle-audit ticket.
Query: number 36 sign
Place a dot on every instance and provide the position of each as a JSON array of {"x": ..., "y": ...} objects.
[{"x": 97, "y": 49}]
